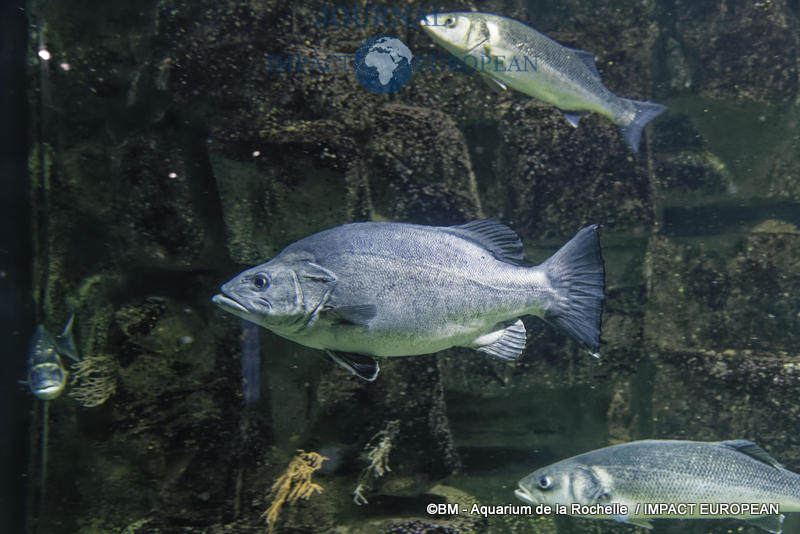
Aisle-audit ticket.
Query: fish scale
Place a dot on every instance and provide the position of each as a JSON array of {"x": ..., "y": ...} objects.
[
  {"x": 682, "y": 472},
  {"x": 561, "y": 67}
]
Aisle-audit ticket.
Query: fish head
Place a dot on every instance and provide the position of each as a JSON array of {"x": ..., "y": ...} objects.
[
  {"x": 564, "y": 482},
  {"x": 47, "y": 376},
  {"x": 276, "y": 295},
  {"x": 47, "y": 380},
  {"x": 459, "y": 32}
]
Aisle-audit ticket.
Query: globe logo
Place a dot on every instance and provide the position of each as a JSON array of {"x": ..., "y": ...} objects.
[{"x": 383, "y": 64}]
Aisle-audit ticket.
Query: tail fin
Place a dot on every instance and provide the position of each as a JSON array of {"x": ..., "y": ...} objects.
[
  {"x": 578, "y": 277},
  {"x": 645, "y": 112}
]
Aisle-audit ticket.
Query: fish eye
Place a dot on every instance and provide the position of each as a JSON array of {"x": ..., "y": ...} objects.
[
  {"x": 545, "y": 483},
  {"x": 260, "y": 281},
  {"x": 450, "y": 22}
]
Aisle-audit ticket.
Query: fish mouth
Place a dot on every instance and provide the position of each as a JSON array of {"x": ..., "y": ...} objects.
[
  {"x": 524, "y": 495},
  {"x": 229, "y": 305},
  {"x": 48, "y": 390}
]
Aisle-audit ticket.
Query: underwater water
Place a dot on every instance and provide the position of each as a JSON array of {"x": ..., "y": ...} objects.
[{"x": 169, "y": 145}]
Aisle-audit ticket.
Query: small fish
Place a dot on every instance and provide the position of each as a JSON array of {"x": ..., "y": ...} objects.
[
  {"x": 392, "y": 289},
  {"x": 511, "y": 54},
  {"x": 705, "y": 478},
  {"x": 47, "y": 376}
]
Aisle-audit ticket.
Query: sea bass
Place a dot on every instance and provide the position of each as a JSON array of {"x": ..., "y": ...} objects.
[
  {"x": 47, "y": 376},
  {"x": 391, "y": 289},
  {"x": 638, "y": 481},
  {"x": 514, "y": 55}
]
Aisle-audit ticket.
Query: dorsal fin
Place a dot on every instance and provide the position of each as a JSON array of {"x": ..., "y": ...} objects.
[
  {"x": 588, "y": 59},
  {"x": 751, "y": 449},
  {"x": 496, "y": 237}
]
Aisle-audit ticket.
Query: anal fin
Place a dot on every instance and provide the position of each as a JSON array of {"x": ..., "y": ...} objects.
[
  {"x": 364, "y": 367},
  {"x": 506, "y": 343}
]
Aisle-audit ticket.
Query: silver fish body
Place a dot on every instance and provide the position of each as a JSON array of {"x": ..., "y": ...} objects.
[
  {"x": 394, "y": 289},
  {"x": 517, "y": 56},
  {"x": 47, "y": 375},
  {"x": 709, "y": 475}
]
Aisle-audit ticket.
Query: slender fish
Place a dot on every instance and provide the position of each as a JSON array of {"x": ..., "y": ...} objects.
[
  {"x": 643, "y": 480},
  {"x": 511, "y": 54}
]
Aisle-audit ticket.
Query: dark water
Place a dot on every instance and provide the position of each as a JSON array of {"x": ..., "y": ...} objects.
[{"x": 165, "y": 154}]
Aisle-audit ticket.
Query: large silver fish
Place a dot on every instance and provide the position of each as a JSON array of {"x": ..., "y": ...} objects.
[
  {"x": 642, "y": 480},
  {"x": 391, "y": 289},
  {"x": 517, "y": 56},
  {"x": 47, "y": 376}
]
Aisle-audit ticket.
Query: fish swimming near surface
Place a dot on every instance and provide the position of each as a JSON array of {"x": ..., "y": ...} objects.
[
  {"x": 643, "y": 480},
  {"x": 47, "y": 376},
  {"x": 511, "y": 54},
  {"x": 374, "y": 289}
]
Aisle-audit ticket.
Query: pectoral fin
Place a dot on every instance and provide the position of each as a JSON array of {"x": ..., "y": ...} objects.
[
  {"x": 770, "y": 523},
  {"x": 360, "y": 314},
  {"x": 493, "y": 83},
  {"x": 507, "y": 343},
  {"x": 572, "y": 118},
  {"x": 364, "y": 367}
]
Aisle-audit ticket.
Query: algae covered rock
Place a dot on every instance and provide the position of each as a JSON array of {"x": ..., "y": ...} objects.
[
  {"x": 701, "y": 300},
  {"x": 688, "y": 287},
  {"x": 439, "y": 494},
  {"x": 765, "y": 273},
  {"x": 158, "y": 187},
  {"x": 261, "y": 197},
  {"x": 710, "y": 395},
  {"x": 408, "y": 391},
  {"x": 421, "y": 170},
  {"x": 565, "y": 178},
  {"x": 172, "y": 145}
]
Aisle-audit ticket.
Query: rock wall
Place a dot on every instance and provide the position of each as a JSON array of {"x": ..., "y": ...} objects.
[{"x": 167, "y": 157}]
